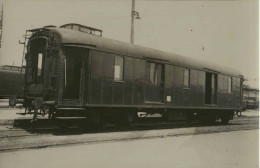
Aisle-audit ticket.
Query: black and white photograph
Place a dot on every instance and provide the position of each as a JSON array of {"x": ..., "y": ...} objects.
[{"x": 129, "y": 83}]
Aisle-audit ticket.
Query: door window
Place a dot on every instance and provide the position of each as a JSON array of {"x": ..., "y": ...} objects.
[
  {"x": 154, "y": 70},
  {"x": 36, "y": 61},
  {"x": 39, "y": 67}
]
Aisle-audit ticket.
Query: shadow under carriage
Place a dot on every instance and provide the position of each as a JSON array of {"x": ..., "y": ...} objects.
[{"x": 45, "y": 126}]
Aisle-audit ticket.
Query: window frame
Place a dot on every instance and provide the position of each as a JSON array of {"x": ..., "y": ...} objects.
[
  {"x": 186, "y": 70},
  {"x": 229, "y": 85},
  {"x": 153, "y": 73},
  {"x": 39, "y": 64},
  {"x": 121, "y": 78}
]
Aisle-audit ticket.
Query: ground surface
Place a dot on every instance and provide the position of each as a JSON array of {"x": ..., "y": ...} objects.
[
  {"x": 218, "y": 150},
  {"x": 142, "y": 145}
]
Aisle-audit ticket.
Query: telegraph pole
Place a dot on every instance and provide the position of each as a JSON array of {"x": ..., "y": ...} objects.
[
  {"x": 1, "y": 25},
  {"x": 132, "y": 22},
  {"x": 134, "y": 15}
]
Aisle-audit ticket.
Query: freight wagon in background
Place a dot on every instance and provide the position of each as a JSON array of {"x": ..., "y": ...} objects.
[
  {"x": 250, "y": 97},
  {"x": 73, "y": 72},
  {"x": 11, "y": 83}
]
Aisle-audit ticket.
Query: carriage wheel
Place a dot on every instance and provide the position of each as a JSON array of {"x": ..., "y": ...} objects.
[{"x": 225, "y": 117}]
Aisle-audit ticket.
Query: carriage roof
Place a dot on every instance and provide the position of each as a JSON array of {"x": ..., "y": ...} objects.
[{"x": 78, "y": 39}]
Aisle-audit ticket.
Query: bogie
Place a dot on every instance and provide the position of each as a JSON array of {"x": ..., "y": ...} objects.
[{"x": 225, "y": 117}]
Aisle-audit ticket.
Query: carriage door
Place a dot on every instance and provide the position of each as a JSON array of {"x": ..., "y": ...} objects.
[
  {"x": 154, "y": 89},
  {"x": 211, "y": 88},
  {"x": 75, "y": 63}
]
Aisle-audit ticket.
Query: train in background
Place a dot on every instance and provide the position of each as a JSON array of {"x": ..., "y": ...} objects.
[
  {"x": 250, "y": 97},
  {"x": 12, "y": 83},
  {"x": 72, "y": 72}
]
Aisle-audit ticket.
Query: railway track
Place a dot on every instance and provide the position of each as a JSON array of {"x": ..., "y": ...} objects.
[
  {"x": 41, "y": 129},
  {"x": 45, "y": 133},
  {"x": 53, "y": 129}
]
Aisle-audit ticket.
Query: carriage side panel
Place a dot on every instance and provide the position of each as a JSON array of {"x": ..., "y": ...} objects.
[
  {"x": 194, "y": 87},
  {"x": 139, "y": 81},
  {"x": 201, "y": 88},
  {"x": 178, "y": 83},
  {"x": 131, "y": 90},
  {"x": 96, "y": 77},
  {"x": 236, "y": 91},
  {"x": 128, "y": 78},
  {"x": 220, "y": 92},
  {"x": 106, "y": 89},
  {"x": 169, "y": 85}
]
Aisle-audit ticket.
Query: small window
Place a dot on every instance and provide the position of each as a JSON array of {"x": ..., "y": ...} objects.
[
  {"x": 75, "y": 27},
  {"x": 229, "y": 85},
  {"x": 118, "y": 69},
  {"x": 98, "y": 33},
  {"x": 39, "y": 67},
  {"x": 84, "y": 29},
  {"x": 186, "y": 78},
  {"x": 68, "y": 27}
]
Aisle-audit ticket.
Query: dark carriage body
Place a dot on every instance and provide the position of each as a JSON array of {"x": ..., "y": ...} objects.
[{"x": 85, "y": 72}]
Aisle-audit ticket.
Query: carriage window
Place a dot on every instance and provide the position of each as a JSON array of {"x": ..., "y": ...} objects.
[
  {"x": 39, "y": 67},
  {"x": 118, "y": 69},
  {"x": 186, "y": 78},
  {"x": 229, "y": 85},
  {"x": 154, "y": 72}
]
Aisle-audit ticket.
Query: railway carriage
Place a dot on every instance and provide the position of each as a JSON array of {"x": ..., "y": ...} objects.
[
  {"x": 11, "y": 83},
  {"x": 74, "y": 73}
]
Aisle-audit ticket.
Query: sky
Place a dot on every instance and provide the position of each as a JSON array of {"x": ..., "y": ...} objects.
[{"x": 221, "y": 31}]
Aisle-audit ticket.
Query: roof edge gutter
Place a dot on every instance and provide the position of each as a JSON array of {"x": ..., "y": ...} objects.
[{"x": 82, "y": 45}]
